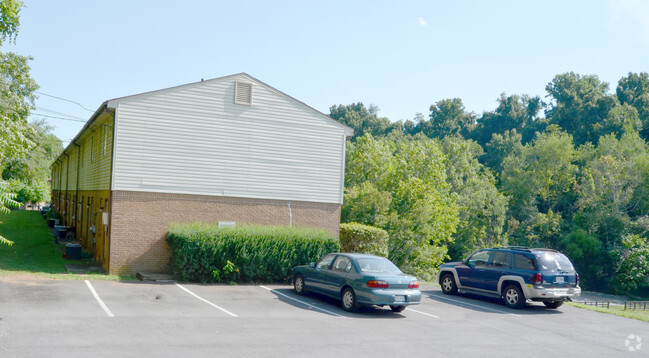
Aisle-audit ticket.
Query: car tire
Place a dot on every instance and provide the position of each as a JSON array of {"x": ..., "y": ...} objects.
[
  {"x": 348, "y": 300},
  {"x": 397, "y": 308},
  {"x": 513, "y": 297},
  {"x": 448, "y": 284},
  {"x": 298, "y": 285},
  {"x": 553, "y": 304}
]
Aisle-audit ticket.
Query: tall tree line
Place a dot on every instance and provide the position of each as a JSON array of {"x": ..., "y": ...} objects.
[
  {"x": 568, "y": 172},
  {"x": 26, "y": 149}
]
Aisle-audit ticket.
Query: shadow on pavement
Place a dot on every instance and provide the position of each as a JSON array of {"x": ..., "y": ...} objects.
[
  {"x": 327, "y": 305},
  {"x": 488, "y": 304}
]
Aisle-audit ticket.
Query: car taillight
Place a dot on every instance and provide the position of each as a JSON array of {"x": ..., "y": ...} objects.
[
  {"x": 577, "y": 278},
  {"x": 413, "y": 284},
  {"x": 537, "y": 279},
  {"x": 377, "y": 284}
]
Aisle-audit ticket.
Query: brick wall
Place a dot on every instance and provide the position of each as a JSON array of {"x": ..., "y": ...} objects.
[{"x": 139, "y": 222}]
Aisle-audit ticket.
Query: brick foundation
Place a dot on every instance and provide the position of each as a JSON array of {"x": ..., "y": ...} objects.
[{"x": 139, "y": 222}]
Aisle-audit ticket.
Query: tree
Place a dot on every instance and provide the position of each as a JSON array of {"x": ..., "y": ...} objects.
[
  {"x": 447, "y": 118},
  {"x": 402, "y": 189},
  {"x": 580, "y": 104},
  {"x": 540, "y": 182},
  {"x": 29, "y": 174},
  {"x": 16, "y": 99},
  {"x": 634, "y": 90},
  {"x": 633, "y": 265},
  {"x": 482, "y": 207},
  {"x": 513, "y": 113},
  {"x": 363, "y": 120}
]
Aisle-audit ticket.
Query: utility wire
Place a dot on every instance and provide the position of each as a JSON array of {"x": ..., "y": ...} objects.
[
  {"x": 63, "y": 118},
  {"x": 65, "y": 99}
]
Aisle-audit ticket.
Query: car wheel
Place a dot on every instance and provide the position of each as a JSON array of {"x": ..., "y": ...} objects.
[
  {"x": 553, "y": 304},
  {"x": 348, "y": 300},
  {"x": 513, "y": 297},
  {"x": 448, "y": 284},
  {"x": 397, "y": 308},
  {"x": 298, "y": 285}
]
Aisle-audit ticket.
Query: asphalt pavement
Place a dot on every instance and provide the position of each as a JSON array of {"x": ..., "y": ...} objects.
[{"x": 57, "y": 318}]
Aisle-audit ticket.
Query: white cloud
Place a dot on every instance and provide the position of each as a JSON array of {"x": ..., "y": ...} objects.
[
  {"x": 421, "y": 21},
  {"x": 636, "y": 12}
]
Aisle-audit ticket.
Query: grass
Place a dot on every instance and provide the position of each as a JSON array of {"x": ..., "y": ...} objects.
[
  {"x": 34, "y": 252},
  {"x": 615, "y": 310}
]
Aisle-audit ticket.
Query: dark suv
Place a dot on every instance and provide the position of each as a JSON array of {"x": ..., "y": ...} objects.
[{"x": 515, "y": 274}]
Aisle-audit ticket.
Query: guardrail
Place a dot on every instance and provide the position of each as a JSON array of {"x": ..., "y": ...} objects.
[
  {"x": 596, "y": 304},
  {"x": 636, "y": 305}
]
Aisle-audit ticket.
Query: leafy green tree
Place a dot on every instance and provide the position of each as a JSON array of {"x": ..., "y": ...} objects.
[
  {"x": 579, "y": 106},
  {"x": 540, "y": 182},
  {"x": 6, "y": 200},
  {"x": 402, "y": 189},
  {"x": 364, "y": 120},
  {"x": 448, "y": 117},
  {"x": 502, "y": 146},
  {"x": 513, "y": 113},
  {"x": 16, "y": 100},
  {"x": 482, "y": 207},
  {"x": 634, "y": 90},
  {"x": 29, "y": 174},
  {"x": 633, "y": 265}
]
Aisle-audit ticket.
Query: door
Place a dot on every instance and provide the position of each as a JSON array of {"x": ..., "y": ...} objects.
[
  {"x": 315, "y": 280},
  {"x": 337, "y": 276},
  {"x": 499, "y": 265},
  {"x": 472, "y": 274}
]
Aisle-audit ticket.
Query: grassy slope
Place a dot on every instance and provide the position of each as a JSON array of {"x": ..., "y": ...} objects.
[{"x": 34, "y": 251}]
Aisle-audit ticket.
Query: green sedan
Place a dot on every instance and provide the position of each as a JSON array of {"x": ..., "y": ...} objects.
[{"x": 357, "y": 280}]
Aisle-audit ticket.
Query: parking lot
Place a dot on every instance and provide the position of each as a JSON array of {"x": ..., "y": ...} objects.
[{"x": 57, "y": 318}]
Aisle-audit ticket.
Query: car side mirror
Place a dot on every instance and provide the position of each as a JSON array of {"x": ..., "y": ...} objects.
[{"x": 312, "y": 265}]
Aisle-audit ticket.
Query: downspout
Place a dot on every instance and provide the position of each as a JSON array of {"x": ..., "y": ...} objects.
[
  {"x": 290, "y": 214},
  {"x": 65, "y": 201},
  {"x": 76, "y": 195},
  {"x": 110, "y": 194}
]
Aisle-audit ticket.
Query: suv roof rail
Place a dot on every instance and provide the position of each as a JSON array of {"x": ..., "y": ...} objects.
[
  {"x": 522, "y": 248},
  {"x": 544, "y": 249}
]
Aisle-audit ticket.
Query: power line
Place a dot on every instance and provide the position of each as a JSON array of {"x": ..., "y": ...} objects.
[
  {"x": 63, "y": 118},
  {"x": 40, "y": 108},
  {"x": 65, "y": 99}
]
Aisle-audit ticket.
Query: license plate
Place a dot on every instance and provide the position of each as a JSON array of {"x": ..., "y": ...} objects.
[
  {"x": 399, "y": 298},
  {"x": 559, "y": 279}
]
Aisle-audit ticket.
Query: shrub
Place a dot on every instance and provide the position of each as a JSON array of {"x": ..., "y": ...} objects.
[
  {"x": 207, "y": 253},
  {"x": 355, "y": 237}
]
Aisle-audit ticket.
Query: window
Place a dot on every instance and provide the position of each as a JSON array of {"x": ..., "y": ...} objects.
[
  {"x": 500, "y": 259},
  {"x": 325, "y": 262},
  {"x": 342, "y": 264},
  {"x": 522, "y": 262},
  {"x": 480, "y": 258},
  {"x": 374, "y": 264},
  {"x": 554, "y": 261},
  {"x": 243, "y": 93}
]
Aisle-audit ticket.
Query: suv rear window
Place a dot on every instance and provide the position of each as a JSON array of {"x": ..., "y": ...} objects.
[{"x": 553, "y": 261}]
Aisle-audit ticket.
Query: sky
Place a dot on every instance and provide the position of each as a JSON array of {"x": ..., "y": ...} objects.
[{"x": 401, "y": 56}]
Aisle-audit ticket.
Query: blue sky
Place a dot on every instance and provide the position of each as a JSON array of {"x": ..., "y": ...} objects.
[{"x": 400, "y": 56}]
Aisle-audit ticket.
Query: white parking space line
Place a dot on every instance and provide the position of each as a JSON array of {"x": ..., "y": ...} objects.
[
  {"x": 302, "y": 302},
  {"x": 474, "y": 305},
  {"x": 206, "y": 301},
  {"x": 101, "y": 303},
  {"x": 424, "y": 313}
]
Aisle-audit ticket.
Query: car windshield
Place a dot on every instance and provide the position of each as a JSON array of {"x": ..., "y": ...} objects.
[
  {"x": 553, "y": 261},
  {"x": 376, "y": 264}
]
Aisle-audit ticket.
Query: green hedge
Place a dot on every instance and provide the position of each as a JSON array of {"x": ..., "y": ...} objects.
[
  {"x": 355, "y": 237},
  {"x": 207, "y": 253}
]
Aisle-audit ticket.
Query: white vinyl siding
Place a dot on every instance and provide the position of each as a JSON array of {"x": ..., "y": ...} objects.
[{"x": 195, "y": 140}]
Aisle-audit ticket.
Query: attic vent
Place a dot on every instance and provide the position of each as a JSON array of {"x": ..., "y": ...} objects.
[{"x": 243, "y": 93}]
